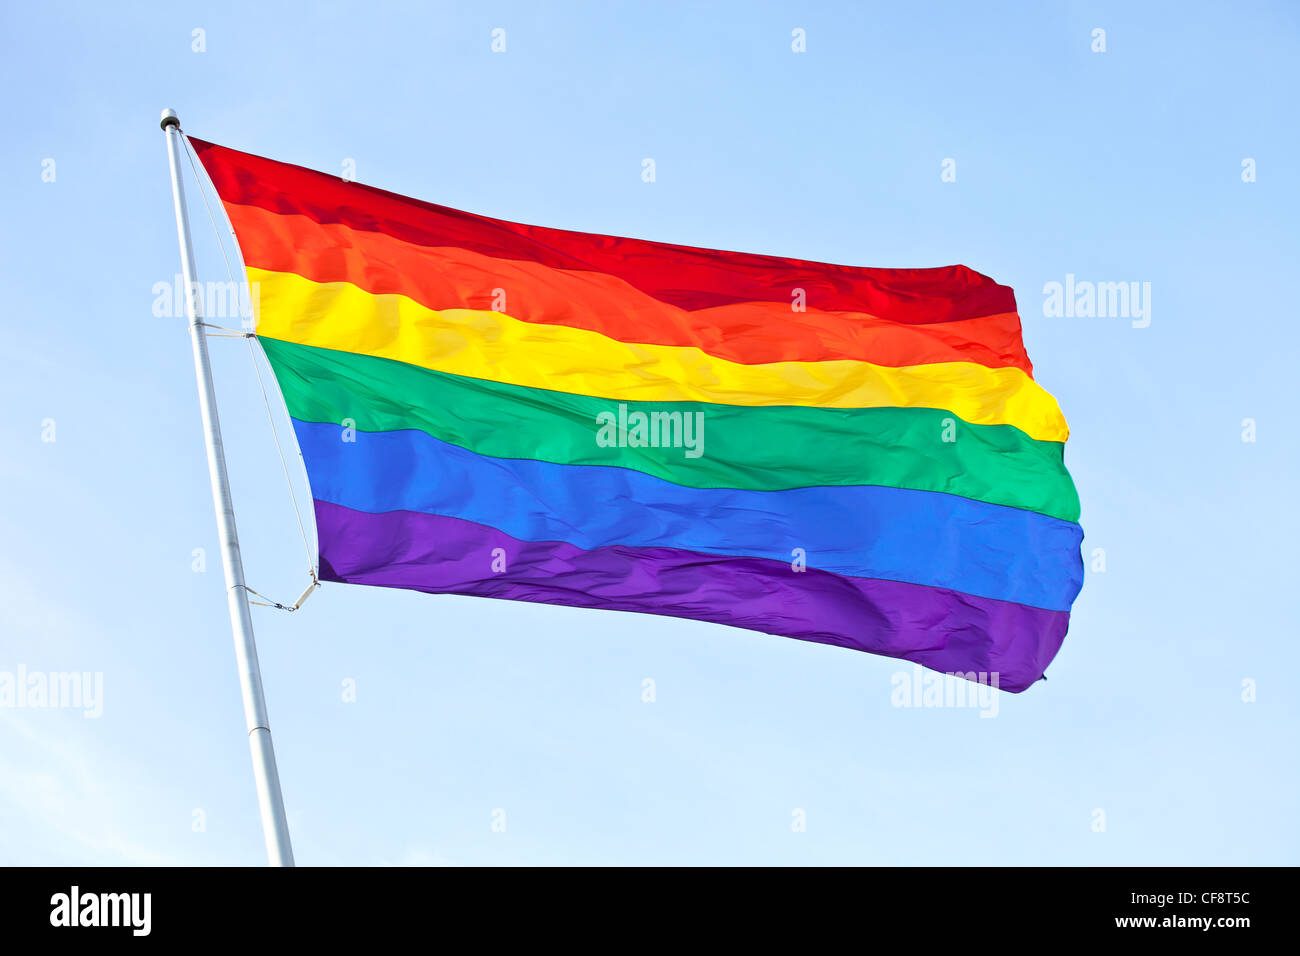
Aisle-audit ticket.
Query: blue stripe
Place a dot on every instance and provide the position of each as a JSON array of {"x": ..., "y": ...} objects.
[{"x": 921, "y": 537}]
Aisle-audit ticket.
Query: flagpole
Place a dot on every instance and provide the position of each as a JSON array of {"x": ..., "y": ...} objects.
[{"x": 275, "y": 827}]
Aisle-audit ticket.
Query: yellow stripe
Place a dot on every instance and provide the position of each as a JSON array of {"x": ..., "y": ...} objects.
[{"x": 498, "y": 348}]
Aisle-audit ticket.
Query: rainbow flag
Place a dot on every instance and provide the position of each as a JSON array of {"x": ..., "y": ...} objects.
[{"x": 845, "y": 455}]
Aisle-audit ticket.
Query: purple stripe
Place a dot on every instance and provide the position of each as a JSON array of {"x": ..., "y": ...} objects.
[{"x": 944, "y": 630}]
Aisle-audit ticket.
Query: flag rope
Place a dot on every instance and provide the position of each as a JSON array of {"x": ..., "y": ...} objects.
[
  {"x": 275, "y": 435},
  {"x": 225, "y": 333}
]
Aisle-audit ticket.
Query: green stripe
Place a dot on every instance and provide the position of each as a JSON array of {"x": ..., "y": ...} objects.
[{"x": 763, "y": 448}]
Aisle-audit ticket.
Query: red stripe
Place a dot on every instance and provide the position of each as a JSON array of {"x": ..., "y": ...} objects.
[
  {"x": 442, "y": 277},
  {"x": 685, "y": 276}
]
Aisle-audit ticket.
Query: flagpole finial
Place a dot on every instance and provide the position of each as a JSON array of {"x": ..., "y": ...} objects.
[{"x": 169, "y": 118}]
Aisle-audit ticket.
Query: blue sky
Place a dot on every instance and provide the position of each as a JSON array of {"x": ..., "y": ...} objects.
[{"x": 1123, "y": 166}]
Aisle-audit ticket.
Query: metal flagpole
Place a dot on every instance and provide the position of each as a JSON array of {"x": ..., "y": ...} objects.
[{"x": 275, "y": 826}]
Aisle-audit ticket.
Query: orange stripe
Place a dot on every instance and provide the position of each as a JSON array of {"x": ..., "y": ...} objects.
[{"x": 750, "y": 333}]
